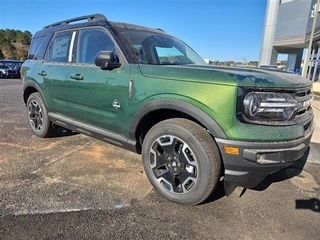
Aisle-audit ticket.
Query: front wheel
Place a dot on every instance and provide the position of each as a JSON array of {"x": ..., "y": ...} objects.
[
  {"x": 38, "y": 119},
  {"x": 181, "y": 160}
]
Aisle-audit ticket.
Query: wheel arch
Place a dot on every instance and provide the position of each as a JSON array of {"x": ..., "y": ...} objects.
[
  {"x": 30, "y": 87},
  {"x": 162, "y": 109}
]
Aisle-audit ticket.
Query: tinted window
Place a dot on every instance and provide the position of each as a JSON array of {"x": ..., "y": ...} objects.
[
  {"x": 4, "y": 67},
  {"x": 92, "y": 41},
  {"x": 171, "y": 55},
  {"x": 11, "y": 63},
  {"x": 60, "y": 48},
  {"x": 154, "y": 48},
  {"x": 38, "y": 47}
]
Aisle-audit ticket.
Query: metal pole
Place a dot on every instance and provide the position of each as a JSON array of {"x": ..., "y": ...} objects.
[
  {"x": 316, "y": 64},
  {"x": 311, "y": 64},
  {"x": 306, "y": 63}
]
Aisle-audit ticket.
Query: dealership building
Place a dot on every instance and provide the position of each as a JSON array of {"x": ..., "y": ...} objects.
[{"x": 292, "y": 27}]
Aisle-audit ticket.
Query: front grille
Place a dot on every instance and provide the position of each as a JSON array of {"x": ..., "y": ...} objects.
[
  {"x": 306, "y": 127},
  {"x": 305, "y": 98},
  {"x": 303, "y": 93}
]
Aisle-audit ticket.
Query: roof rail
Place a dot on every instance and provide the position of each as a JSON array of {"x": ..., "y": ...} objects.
[
  {"x": 160, "y": 29},
  {"x": 88, "y": 18}
]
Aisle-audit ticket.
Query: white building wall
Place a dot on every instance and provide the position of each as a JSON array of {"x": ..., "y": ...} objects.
[{"x": 268, "y": 55}]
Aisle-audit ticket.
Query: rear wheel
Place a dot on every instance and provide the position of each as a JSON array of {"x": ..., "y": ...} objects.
[
  {"x": 37, "y": 113},
  {"x": 181, "y": 160}
]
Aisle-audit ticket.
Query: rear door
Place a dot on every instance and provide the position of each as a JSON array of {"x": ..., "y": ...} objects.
[{"x": 54, "y": 71}]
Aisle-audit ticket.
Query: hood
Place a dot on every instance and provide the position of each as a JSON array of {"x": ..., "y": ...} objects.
[{"x": 235, "y": 76}]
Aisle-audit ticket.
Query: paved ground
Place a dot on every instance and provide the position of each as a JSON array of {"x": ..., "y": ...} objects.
[
  {"x": 64, "y": 172},
  {"x": 316, "y": 87},
  {"x": 75, "y": 187}
]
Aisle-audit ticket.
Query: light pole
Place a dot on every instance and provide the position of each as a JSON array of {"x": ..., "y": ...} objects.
[{"x": 307, "y": 58}]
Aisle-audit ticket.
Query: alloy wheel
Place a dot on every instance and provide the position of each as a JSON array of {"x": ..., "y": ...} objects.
[
  {"x": 173, "y": 164},
  {"x": 35, "y": 115}
]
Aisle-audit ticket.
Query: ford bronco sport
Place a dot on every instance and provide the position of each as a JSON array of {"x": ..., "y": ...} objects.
[{"x": 146, "y": 91}]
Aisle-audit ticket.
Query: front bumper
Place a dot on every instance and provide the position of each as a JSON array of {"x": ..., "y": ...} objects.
[
  {"x": 3, "y": 74},
  {"x": 14, "y": 75},
  {"x": 256, "y": 161}
]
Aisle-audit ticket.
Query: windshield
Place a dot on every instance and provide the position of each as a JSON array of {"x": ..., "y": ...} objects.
[
  {"x": 4, "y": 67},
  {"x": 153, "y": 48}
]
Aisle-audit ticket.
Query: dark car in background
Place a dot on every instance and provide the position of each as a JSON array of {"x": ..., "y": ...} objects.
[
  {"x": 10, "y": 68},
  {"x": 14, "y": 73}
]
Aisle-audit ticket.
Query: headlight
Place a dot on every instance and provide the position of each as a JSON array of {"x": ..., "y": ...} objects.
[{"x": 265, "y": 106}]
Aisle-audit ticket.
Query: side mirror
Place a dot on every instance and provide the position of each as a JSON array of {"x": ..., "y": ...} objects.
[{"x": 105, "y": 60}]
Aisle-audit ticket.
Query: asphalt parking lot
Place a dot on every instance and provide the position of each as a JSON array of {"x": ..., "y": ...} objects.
[{"x": 75, "y": 187}]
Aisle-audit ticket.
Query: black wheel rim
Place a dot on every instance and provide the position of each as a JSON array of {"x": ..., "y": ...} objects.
[
  {"x": 35, "y": 115},
  {"x": 173, "y": 164}
]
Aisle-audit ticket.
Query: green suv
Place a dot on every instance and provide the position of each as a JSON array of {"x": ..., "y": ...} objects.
[{"x": 146, "y": 91}]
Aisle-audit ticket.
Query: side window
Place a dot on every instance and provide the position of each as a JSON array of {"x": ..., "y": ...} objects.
[
  {"x": 35, "y": 45},
  {"x": 171, "y": 55},
  {"x": 92, "y": 41},
  {"x": 60, "y": 50},
  {"x": 38, "y": 47}
]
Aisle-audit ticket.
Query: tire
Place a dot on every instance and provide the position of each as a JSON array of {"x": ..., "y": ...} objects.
[
  {"x": 188, "y": 176},
  {"x": 37, "y": 114}
]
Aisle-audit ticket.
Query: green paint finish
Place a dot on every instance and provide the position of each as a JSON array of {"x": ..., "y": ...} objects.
[
  {"x": 260, "y": 133},
  {"x": 215, "y": 93},
  {"x": 211, "y": 89},
  {"x": 211, "y": 98},
  {"x": 226, "y": 75}
]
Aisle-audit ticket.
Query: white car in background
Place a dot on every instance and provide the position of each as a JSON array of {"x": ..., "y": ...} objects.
[{"x": 4, "y": 70}]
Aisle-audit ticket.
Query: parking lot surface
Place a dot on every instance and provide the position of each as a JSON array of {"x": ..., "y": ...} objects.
[{"x": 75, "y": 187}]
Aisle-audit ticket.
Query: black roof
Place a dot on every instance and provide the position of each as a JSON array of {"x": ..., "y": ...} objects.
[
  {"x": 91, "y": 20},
  {"x": 88, "y": 18}
]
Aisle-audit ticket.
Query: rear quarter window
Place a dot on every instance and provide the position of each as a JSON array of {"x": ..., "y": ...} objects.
[{"x": 38, "y": 47}]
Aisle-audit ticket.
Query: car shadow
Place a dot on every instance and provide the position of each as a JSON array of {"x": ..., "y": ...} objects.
[
  {"x": 312, "y": 204},
  {"x": 62, "y": 132},
  {"x": 282, "y": 175},
  {"x": 216, "y": 195}
]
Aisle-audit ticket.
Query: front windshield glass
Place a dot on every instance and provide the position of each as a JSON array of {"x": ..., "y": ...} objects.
[
  {"x": 158, "y": 49},
  {"x": 4, "y": 67}
]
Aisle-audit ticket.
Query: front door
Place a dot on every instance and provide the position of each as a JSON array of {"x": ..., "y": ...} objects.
[{"x": 97, "y": 97}]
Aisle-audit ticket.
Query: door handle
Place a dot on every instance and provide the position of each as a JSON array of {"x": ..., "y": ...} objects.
[
  {"x": 77, "y": 77},
  {"x": 42, "y": 73}
]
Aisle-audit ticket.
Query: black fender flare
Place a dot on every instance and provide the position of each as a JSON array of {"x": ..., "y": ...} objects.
[
  {"x": 173, "y": 104},
  {"x": 32, "y": 84}
]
